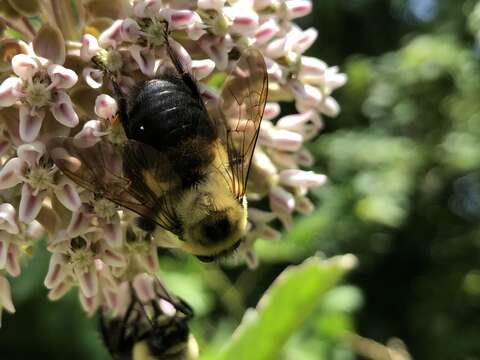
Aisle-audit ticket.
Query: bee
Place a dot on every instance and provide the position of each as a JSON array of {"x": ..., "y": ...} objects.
[
  {"x": 185, "y": 165},
  {"x": 146, "y": 332}
]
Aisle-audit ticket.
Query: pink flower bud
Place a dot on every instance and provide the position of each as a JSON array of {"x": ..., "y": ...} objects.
[
  {"x": 144, "y": 287},
  {"x": 89, "y": 47},
  {"x": 30, "y": 203},
  {"x": 105, "y": 106},
  {"x": 8, "y": 216},
  {"x": 57, "y": 271},
  {"x": 180, "y": 19},
  {"x": 79, "y": 223},
  {"x": 147, "y": 8},
  {"x": 145, "y": 59},
  {"x": 278, "y": 48},
  {"x": 6, "y": 295},
  {"x": 13, "y": 266},
  {"x": 62, "y": 78},
  {"x": 275, "y": 72},
  {"x": 272, "y": 110},
  {"x": 90, "y": 134},
  {"x": 263, "y": 162},
  {"x": 67, "y": 194},
  {"x": 284, "y": 159},
  {"x": 285, "y": 140},
  {"x": 25, "y": 66},
  {"x": 4, "y": 146},
  {"x": 93, "y": 77},
  {"x": 244, "y": 21},
  {"x": 130, "y": 30},
  {"x": 266, "y": 232},
  {"x": 114, "y": 258},
  {"x": 60, "y": 290},
  {"x": 306, "y": 93},
  {"x": 30, "y": 123},
  {"x": 112, "y": 35},
  {"x": 149, "y": 260},
  {"x": 113, "y": 234},
  {"x": 211, "y": 4},
  {"x": 333, "y": 79},
  {"x": 312, "y": 69},
  {"x": 4, "y": 245},
  {"x": 62, "y": 110},
  {"x": 281, "y": 201},
  {"x": 196, "y": 30},
  {"x": 303, "y": 40},
  {"x": 31, "y": 153},
  {"x": 329, "y": 107},
  {"x": 298, "y": 8},
  {"x": 303, "y": 205},
  {"x": 11, "y": 173},
  {"x": 305, "y": 158},
  {"x": 300, "y": 178},
  {"x": 89, "y": 304},
  {"x": 266, "y": 31},
  {"x": 88, "y": 281},
  {"x": 308, "y": 123},
  {"x": 217, "y": 49},
  {"x": 10, "y": 91},
  {"x": 202, "y": 68},
  {"x": 260, "y": 216}
]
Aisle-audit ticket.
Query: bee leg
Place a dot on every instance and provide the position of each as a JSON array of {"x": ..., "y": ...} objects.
[
  {"x": 128, "y": 313},
  {"x": 186, "y": 76}
]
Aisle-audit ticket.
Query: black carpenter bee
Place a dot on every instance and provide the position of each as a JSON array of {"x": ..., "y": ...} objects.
[
  {"x": 147, "y": 332},
  {"x": 183, "y": 168}
]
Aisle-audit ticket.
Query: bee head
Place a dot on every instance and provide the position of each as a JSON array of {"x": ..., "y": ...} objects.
[{"x": 215, "y": 224}]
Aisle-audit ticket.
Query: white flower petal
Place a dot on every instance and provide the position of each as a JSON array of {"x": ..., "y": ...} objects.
[
  {"x": 31, "y": 153},
  {"x": 30, "y": 204},
  {"x": 8, "y": 216},
  {"x": 143, "y": 284},
  {"x": 10, "y": 91},
  {"x": 13, "y": 266},
  {"x": 89, "y": 47},
  {"x": 112, "y": 35},
  {"x": 145, "y": 59},
  {"x": 88, "y": 282},
  {"x": 62, "y": 78},
  {"x": 202, "y": 68},
  {"x": 113, "y": 234},
  {"x": 67, "y": 194},
  {"x": 11, "y": 172},
  {"x": 6, "y": 295},
  {"x": 281, "y": 201},
  {"x": 62, "y": 110},
  {"x": 25, "y": 66},
  {"x": 4, "y": 245},
  {"x": 105, "y": 106},
  {"x": 30, "y": 123},
  {"x": 93, "y": 77},
  {"x": 60, "y": 290},
  {"x": 57, "y": 271}
]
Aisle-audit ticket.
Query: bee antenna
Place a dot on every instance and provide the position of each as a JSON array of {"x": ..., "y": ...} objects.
[{"x": 122, "y": 102}]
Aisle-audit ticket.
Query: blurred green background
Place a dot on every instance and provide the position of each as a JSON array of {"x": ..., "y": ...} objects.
[{"x": 403, "y": 159}]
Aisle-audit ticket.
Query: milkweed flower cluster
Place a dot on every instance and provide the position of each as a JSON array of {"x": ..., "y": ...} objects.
[{"x": 50, "y": 87}]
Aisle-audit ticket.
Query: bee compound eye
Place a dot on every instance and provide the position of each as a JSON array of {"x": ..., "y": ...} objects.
[{"x": 205, "y": 259}]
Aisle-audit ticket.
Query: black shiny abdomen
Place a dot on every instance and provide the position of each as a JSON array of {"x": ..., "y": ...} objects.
[{"x": 165, "y": 112}]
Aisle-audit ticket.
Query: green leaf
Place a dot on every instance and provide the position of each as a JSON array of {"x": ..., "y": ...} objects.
[{"x": 284, "y": 308}]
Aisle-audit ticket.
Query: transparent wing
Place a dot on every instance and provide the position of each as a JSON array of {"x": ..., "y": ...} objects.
[
  {"x": 134, "y": 175},
  {"x": 243, "y": 99}
]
